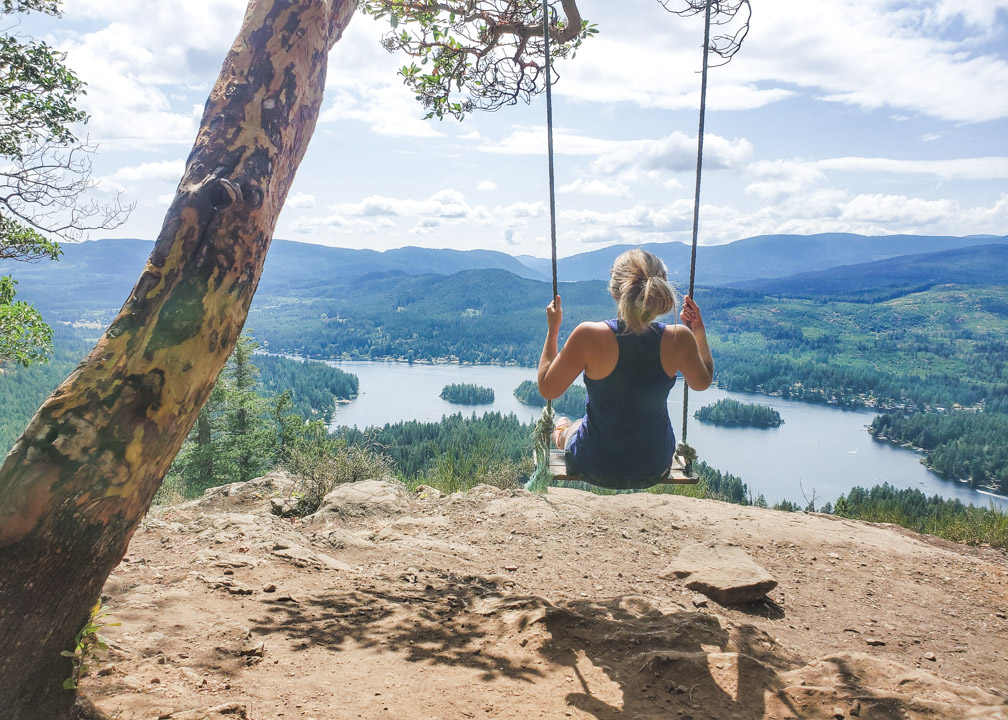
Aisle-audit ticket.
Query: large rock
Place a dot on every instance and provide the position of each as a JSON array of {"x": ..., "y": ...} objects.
[
  {"x": 250, "y": 495},
  {"x": 722, "y": 572},
  {"x": 364, "y": 498}
]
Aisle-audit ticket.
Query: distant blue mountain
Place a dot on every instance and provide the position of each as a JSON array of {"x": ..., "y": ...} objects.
[
  {"x": 768, "y": 256},
  {"x": 99, "y": 275},
  {"x": 96, "y": 277},
  {"x": 979, "y": 265},
  {"x": 289, "y": 262}
]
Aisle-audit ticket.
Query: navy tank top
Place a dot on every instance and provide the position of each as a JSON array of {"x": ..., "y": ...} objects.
[{"x": 626, "y": 439}]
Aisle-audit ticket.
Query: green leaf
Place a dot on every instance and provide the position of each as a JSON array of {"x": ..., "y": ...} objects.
[{"x": 394, "y": 20}]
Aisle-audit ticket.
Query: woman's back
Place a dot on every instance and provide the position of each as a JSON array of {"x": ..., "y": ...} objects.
[{"x": 626, "y": 435}]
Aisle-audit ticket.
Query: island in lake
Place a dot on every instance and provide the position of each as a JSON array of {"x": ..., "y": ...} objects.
[
  {"x": 467, "y": 394},
  {"x": 732, "y": 413}
]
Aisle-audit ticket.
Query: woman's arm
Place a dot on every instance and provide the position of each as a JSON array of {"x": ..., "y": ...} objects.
[
  {"x": 695, "y": 361},
  {"x": 558, "y": 369}
]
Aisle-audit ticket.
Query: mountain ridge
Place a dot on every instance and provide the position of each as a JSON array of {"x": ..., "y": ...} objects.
[{"x": 95, "y": 277}]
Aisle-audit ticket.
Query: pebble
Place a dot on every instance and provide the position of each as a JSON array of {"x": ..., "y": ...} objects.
[
  {"x": 875, "y": 642},
  {"x": 269, "y": 587},
  {"x": 839, "y": 713},
  {"x": 930, "y": 656},
  {"x": 510, "y": 568}
]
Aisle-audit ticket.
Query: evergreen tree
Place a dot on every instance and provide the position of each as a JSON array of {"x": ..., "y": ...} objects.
[{"x": 251, "y": 437}]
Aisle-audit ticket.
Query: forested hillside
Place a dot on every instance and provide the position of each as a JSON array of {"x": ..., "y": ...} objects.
[
  {"x": 476, "y": 316},
  {"x": 313, "y": 387},
  {"x": 938, "y": 347},
  {"x": 22, "y": 389}
]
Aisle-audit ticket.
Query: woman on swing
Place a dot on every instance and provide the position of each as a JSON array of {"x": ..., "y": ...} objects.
[{"x": 625, "y": 439}]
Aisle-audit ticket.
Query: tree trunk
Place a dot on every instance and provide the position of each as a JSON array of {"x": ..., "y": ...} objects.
[{"x": 77, "y": 482}]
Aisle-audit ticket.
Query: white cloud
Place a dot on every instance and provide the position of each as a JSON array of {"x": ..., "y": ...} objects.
[
  {"x": 595, "y": 186},
  {"x": 300, "y": 200},
  {"x": 860, "y": 52},
  {"x": 675, "y": 153},
  {"x": 520, "y": 211},
  {"x": 980, "y": 168},
  {"x": 778, "y": 178},
  {"x": 136, "y": 57},
  {"x": 339, "y": 224},
  {"x": 531, "y": 140},
  {"x": 486, "y": 186},
  {"x": 160, "y": 171},
  {"x": 883, "y": 209},
  {"x": 979, "y": 14},
  {"x": 446, "y": 204},
  {"x": 362, "y": 85},
  {"x": 642, "y": 218}
]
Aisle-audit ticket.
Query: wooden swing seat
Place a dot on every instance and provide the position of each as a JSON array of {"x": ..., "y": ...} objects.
[{"x": 677, "y": 474}]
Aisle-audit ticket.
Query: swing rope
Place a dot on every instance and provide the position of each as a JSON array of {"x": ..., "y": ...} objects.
[
  {"x": 687, "y": 453},
  {"x": 541, "y": 477}
]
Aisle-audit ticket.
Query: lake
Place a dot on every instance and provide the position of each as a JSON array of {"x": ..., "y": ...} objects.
[{"x": 819, "y": 449}]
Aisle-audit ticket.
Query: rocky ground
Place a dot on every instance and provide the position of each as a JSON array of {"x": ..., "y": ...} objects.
[{"x": 502, "y": 604}]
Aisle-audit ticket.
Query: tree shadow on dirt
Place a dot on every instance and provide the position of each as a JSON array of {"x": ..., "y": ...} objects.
[
  {"x": 433, "y": 620},
  {"x": 628, "y": 656},
  {"x": 664, "y": 661}
]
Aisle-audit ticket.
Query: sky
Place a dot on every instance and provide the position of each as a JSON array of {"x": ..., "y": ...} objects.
[{"x": 875, "y": 117}]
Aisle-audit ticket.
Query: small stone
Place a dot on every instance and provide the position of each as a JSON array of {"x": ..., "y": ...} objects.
[
  {"x": 699, "y": 601},
  {"x": 251, "y": 648},
  {"x": 510, "y": 568},
  {"x": 930, "y": 656},
  {"x": 269, "y": 587},
  {"x": 625, "y": 534},
  {"x": 839, "y": 713},
  {"x": 132, "y": 683},
  {"x": 855, "y": 710},
  {"x": 875, "y": 642}
]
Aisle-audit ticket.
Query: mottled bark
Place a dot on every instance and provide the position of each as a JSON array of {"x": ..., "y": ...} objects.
[{"x": 76, "y": 484}]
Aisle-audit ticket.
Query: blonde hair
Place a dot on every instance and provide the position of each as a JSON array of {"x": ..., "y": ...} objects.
[{"x": 639, "y": 284}]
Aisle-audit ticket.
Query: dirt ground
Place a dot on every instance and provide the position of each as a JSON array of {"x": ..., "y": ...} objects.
[{"x": 502, "y": 604}]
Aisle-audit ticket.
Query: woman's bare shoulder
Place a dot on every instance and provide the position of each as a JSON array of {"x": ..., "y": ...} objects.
[
  {"x": 677, "y": 337},
  {"x": 591, "y": 328},
  {"x": 674, "y": 330}
]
